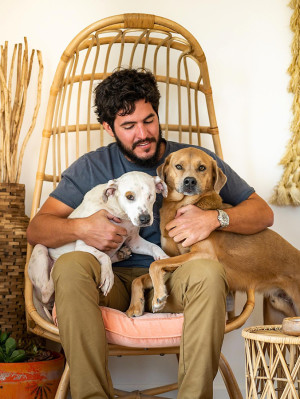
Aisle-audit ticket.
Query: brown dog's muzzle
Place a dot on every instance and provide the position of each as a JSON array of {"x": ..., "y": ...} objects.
[{"x": 189, "y": 186}]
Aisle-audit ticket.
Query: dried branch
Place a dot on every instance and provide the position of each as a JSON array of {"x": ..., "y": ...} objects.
[{"x": 12, "y": 108}]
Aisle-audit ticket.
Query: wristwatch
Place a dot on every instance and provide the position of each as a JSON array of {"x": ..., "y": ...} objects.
[{"x": 223, "y": 218}]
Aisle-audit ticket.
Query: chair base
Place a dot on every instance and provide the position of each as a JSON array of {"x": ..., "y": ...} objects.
[
  {"x": 146, "y": 393},
  {"x": 225, "y": 370}
]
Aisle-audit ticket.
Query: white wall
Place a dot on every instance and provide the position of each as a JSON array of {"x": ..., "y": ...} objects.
[{"x": 247, "y": 45}]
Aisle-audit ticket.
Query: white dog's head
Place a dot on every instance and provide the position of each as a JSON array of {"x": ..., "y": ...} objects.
[{"x": 136, "y": 194}]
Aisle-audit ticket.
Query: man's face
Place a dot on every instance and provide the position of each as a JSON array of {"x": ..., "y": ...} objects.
[{"x": 138, "y": 134}]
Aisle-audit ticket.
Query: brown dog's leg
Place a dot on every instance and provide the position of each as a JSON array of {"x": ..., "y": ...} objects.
[
  {"x": 137, "y": 302},
  {"x": 157, "y": 271}
]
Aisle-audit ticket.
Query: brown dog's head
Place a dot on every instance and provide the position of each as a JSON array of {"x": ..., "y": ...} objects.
[{"x": 191, "y": 171}]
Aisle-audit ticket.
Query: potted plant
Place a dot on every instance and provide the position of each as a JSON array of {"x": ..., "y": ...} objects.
[{"x": 28, "y": 373}]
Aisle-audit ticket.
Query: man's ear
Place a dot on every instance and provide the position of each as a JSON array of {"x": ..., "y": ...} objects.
[
  {"x": 108, "y": 129},
  {"x": 219, "y": 178},
  {"x": 109, "y": 190},
  {"x": 160, "y": 186}
]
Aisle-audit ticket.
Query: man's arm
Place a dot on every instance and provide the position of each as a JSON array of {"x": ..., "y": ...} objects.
[
  {"x": 193, "y": 224},
  {"x": 52, "y": 228}
]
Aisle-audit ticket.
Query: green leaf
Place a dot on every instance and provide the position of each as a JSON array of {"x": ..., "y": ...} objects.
[
  {"x": 3, "y": 337},
  {"x": 10, "y": 346},
  {"x": 17, "y": 356},
  {"x": 1, "y": 356}
]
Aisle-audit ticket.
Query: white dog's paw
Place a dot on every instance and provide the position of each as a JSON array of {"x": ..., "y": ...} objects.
[
  {"x": 158, "y": 253},
  {"x": 107, "y": 279}
]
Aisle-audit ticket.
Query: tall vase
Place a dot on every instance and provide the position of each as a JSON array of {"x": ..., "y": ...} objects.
[{"x": 13, "y": 224}]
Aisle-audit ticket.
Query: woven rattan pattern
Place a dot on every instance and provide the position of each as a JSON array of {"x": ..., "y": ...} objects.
[{"x": 13, "y": 224}]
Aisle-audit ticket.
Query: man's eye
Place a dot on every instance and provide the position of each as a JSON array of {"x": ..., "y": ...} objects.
[
  {"x": 148, "y": 121},
  {"x": 128, "y": 127},
  {"x": 202, "y": 168},
  {"x": 179, "y": 167}
]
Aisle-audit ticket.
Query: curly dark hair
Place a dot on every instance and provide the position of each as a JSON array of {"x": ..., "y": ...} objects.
[{"x": 118, "y": 93}]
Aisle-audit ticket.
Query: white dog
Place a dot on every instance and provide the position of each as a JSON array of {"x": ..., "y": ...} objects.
[{"x": 130, "y": 198}]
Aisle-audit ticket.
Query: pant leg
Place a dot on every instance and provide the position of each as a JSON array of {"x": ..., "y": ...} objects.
[
  {"x": 198, "y": 288},
  {"x": 76, "y": 278}
]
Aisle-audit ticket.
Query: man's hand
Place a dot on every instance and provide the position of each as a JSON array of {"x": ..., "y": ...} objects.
[
  {"x": 192, "y": 224},
  {"x": 98, "y": 231}
]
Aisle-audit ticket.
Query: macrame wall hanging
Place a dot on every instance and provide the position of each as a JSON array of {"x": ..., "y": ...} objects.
[{"x": 287, "y": 192}]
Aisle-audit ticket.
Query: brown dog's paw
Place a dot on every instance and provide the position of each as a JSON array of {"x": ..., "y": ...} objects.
[
  {"x": 136, "y": 310},
  {"x": 158, "y": 303}
]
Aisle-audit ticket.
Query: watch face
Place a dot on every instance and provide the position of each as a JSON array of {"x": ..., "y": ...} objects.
[{"x": 223, "y": 218}]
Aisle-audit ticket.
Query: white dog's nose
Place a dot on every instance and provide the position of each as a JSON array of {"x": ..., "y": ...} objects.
[{"x": 144, "y": 218}]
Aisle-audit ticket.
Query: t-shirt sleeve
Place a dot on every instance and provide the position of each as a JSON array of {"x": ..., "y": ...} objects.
[{"x": 68, "y": 190}]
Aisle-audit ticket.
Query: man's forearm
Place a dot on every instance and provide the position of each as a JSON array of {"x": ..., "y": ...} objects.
[
  {"x": 59, "y": 231},
  {"x": 250, "y": 216}
]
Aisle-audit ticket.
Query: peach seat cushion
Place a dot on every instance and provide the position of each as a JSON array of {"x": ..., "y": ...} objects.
[{"x": 156, "y": 330}]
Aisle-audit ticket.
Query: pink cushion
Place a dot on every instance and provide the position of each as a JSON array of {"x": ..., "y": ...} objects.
[{"x": 152, "y": 330}]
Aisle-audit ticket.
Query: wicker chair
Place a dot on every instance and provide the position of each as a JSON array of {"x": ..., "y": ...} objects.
[{"x": 71, "y": 128}]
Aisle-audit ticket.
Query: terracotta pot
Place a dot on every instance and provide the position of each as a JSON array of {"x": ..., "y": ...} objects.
[{"x": 36, "y": 380}]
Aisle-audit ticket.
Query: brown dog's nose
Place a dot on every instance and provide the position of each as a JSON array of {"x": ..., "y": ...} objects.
[{"x": 189, "y": 183}]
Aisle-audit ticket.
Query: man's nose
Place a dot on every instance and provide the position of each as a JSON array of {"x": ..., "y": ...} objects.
[{"x": 141, "y": 131}]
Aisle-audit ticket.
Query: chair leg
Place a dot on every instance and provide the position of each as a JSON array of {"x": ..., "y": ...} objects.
[
  {"x": 229, "y": 379},
  {"x": 63, "y": 387}
]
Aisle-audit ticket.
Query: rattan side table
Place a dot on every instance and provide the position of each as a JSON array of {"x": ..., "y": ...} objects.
[{"x": 272, "y": 363}]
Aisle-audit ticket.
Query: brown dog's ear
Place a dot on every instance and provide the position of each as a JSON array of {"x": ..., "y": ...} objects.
[
  {"x": 219, "y": 178},
  {"x": 109, "y": 190},
  {"x": 161, "y": 170}
]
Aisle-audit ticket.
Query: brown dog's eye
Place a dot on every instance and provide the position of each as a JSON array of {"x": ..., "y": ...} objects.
[
  {"x": 202, "y": 168},
  {"x": 179, "y": 167}
]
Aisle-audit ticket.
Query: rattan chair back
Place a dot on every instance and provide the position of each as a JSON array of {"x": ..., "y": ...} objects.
[{"x": 131, "y": 40}]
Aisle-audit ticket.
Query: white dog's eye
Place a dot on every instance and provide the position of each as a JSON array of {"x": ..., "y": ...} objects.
[
  {"x": 202, "y": 168},
  {"x": 179, "y": 167},
  {"x": 130, "y": 197}
]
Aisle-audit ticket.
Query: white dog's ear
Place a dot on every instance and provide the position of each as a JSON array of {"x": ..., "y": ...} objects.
[
  {"x": 219, "y": 178},
  {"x": 109, "y": 190},
  {"x": 160, "y": 186}
]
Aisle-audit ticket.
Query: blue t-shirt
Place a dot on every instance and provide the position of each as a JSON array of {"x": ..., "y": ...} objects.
[{"x": 97, "y": 167}]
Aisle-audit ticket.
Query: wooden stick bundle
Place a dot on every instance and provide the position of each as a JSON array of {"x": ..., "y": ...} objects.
[{"x": 12, "y": 107}]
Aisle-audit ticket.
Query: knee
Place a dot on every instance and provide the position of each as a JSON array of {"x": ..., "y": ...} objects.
[
  {"x": 209, "y": 273},
  {"x": 73, "y": 267}
]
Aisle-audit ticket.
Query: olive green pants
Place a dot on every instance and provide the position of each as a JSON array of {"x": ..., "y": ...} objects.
[{"x": 197, "y": 288}]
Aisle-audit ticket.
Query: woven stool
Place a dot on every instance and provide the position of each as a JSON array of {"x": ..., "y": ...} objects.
[{"x": 272, "y": 363}]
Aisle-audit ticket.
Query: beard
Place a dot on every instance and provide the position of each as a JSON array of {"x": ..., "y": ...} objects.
[{"x": 144, "y": 162}]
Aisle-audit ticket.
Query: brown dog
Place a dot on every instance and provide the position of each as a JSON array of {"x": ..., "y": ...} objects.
[{"x": 263, "y": 261}]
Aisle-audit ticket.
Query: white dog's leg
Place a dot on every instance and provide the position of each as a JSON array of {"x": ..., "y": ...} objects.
[
  {"x": 139, "y": 245},
  {"x": 39, "y": 267},
  {"x": 107, "y": 275}
]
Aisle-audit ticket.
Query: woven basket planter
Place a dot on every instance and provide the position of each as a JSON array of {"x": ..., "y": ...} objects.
[{"x": 13, "y": 224}]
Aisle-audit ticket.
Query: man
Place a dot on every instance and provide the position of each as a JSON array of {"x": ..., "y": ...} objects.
[{"x": 127, "y": 106}]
